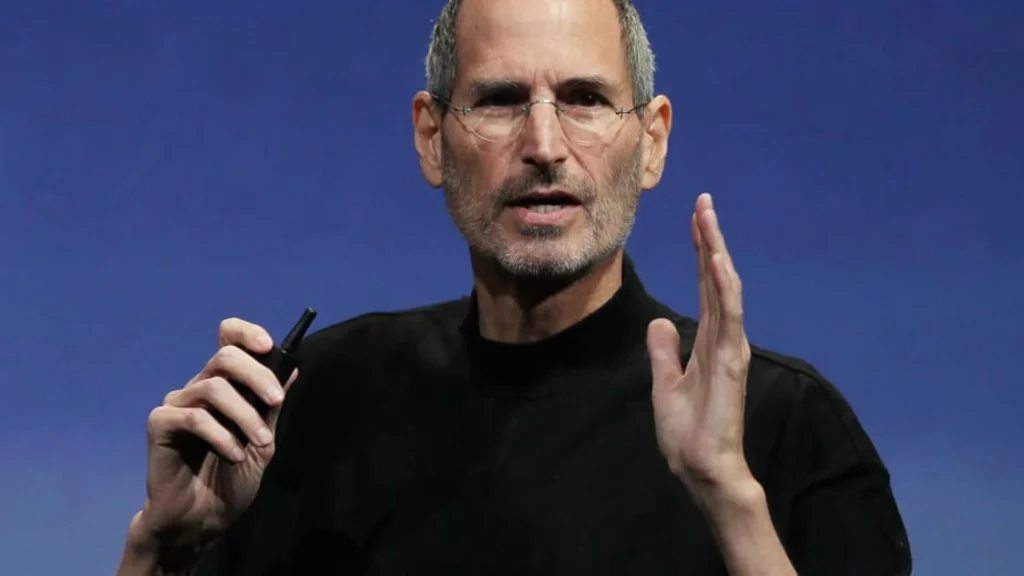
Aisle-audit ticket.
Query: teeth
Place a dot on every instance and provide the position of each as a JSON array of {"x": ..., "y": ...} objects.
[{"x": 544, "y": 208}]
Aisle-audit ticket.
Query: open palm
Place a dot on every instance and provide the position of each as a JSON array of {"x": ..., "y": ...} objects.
[{"x": 699, "y": 410}]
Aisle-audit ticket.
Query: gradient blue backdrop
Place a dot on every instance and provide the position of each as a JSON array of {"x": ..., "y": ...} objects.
[{"x": 167, "y": 164}]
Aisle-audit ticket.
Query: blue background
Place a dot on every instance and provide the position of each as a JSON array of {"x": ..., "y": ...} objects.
[{"x": 167, "y": 164}]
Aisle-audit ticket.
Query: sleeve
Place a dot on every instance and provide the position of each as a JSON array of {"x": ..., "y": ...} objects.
[{"x": 838, "y": 512}]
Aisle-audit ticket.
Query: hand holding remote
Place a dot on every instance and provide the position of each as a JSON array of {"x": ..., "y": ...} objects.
[{"x": 210, "y": 441}]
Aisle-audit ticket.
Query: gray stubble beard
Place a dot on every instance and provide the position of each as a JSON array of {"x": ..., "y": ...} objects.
[{"x": 617, "y": 208}]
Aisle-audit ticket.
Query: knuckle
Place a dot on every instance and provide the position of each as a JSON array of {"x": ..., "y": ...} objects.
[
  {"x": 735, "y": 371},
  {"x": 193, "y": 419},
  {"x": 211, "y": 389},
  {"x": 735, "y": 362},
  {"x": 204, "y": 388},
  {"x": 171, "y": 397},
  {"x": 155, "y": 419},
  {"x": 224, "y": 357}
]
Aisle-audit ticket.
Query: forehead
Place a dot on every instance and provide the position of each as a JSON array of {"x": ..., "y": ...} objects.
[{"x": 540, "y": 42}]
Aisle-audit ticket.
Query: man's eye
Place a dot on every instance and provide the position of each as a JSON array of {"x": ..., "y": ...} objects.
[
  {"x": 499, "y": 99},
  {"x": 585, "y": 99}
]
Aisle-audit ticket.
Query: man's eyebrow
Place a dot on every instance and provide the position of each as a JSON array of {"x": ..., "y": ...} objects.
[
  {"x": 484, "y": 86},
  {"x": 481, "y": 86},
  {"x": 595, "y": 83}
]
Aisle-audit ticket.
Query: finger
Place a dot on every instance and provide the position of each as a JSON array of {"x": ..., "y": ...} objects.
[
  {"x": 663, "y": 349},
  {"x": 166, "y": 422},
  {"x": 714, "y": 238},
  {"x": 711, "y": 233},
  {"x": 276, "y": 412},
  {"x": 727, "y": 286},
  {"x": 238, "y": 332},
  {"x": 702, "y": 271},
  {"x": 237, "y": 414},
  {"x": 703, "y": 212},
  {"x": 710, "y": 229},
  {"x": 710, "y": 288},
  {"x": 236, "y": 365},
  {"x": 731, "y": 299}
]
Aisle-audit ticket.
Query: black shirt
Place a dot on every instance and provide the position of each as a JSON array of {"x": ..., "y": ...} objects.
[{"x": 411, "y": 445}]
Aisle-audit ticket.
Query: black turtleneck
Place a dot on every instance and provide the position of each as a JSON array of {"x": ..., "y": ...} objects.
[
  {"x": 605, "y": 339},
  {"x": 412, "y": 445}
]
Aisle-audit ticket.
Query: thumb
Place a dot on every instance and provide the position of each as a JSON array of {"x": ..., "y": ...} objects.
[{"x": 663, "y": 348}]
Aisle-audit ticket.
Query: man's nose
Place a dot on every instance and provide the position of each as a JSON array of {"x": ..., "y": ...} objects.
[{"x": 543, "y": 140}]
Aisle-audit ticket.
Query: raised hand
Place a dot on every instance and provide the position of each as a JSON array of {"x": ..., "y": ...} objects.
[
  {"x": 200, "y": 477},
  {"x": 699, "y": 410}
]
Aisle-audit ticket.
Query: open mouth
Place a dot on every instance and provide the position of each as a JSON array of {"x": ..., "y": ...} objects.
[{"x": 545, "y": 203}]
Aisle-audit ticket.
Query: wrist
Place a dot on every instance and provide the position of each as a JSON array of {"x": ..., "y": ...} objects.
[
  {"x": 164, "y": 552},
  {"x": 739, "y": 519},
  {"x": 141, "y": 541},
  {"x": 141, "y": 552},
  {"x": 738, "y": 497},
  {"x": 728, "y": 483}
]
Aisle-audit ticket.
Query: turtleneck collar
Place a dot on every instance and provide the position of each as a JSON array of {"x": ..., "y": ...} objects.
[{"x": 604, "y": 338}]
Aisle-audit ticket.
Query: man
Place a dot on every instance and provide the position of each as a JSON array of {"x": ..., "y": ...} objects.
[{"x": 557, "y": 421}]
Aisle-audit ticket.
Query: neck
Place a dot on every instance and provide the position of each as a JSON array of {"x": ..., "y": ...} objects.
[{"x": 515, "y": 310}]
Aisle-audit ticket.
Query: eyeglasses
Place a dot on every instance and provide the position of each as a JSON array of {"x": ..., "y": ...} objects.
[{"x": 583, "y": 124}]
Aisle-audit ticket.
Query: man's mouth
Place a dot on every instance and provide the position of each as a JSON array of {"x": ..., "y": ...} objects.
[{"x": 545, "y": 202}]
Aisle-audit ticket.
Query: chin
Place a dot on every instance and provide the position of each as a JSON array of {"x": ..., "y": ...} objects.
[{"x": 547, "y": 257}]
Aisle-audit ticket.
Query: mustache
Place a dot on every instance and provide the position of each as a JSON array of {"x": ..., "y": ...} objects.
[{"x": 516, "y": 187}]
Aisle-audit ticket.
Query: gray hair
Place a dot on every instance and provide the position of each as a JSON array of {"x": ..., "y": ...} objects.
[{"x": 441, "y": 56}]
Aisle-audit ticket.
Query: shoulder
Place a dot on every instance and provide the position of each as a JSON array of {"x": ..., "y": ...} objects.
[
  {"x": 791, "y": 396},
  {"x": 801, "y": 429},
  {"x": 385, "y": 333},
  {"x": 773, "y": 378},
  {"x": 340, "y": 364},
  {"x": 343, "y": 362},
  {"x": 790, "y": 403},
  {"x": 781, "y": 380},
  {"x": 344, "y": 351},
  {"x": 821, "y": 471}
]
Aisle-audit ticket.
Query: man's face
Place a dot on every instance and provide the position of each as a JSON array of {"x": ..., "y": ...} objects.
[{"x": 541, "y": 48}]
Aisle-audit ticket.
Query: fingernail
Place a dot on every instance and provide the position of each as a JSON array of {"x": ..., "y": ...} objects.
[
  {"x": 275, "y": 393},
  {"x": 264, "y": 436},
  {"x": 266, "y": 341},
  {"x": 237, "y": 454}
]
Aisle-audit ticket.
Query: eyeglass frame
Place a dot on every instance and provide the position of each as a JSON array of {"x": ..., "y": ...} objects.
[{"x": 525, "y": 109}]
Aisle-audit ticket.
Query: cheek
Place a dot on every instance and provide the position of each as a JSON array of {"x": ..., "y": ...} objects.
[
  {"x": 479, "y": 177},
  {"x": 466, "y": 198},
  {"x": 602, "y": 161},
  {"x": 488, "y": 170},
  {"x": 607, "y": 171}
]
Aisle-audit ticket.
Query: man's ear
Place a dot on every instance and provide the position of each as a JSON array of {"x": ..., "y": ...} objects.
[
  {"x": 657, "y": 121},
  {"x": 426, "y": 124}
]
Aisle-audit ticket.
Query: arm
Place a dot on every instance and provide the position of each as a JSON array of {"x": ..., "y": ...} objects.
[
  {"x": 699, "y": 410},
  {"x": 142, "y": 555},
  {"x": 743, "y": 529},
  {"x": 831, "y": 509},
  {"x": 835, "y": 508},
  {"x": 825, "y": 506}
]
